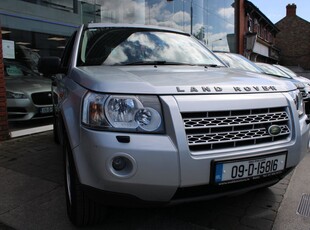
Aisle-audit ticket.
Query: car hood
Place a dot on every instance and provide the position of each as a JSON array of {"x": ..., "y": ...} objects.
[
  {"x": 175, "y": 80},
  {"x": 27, "y": 84}
]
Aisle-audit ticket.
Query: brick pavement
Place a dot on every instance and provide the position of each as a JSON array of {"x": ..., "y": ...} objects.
[{"x": 31, "y": 182}]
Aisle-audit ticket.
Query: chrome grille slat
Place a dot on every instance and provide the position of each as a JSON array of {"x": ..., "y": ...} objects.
[
  {"x": 232, "y": 136},
  {"x": 258, "y": 119},
  {"x": 211, "y": 130}
]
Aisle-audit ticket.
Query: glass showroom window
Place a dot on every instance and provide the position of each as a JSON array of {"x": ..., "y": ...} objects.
[
  {"x": 220, "y": 25},
  {"x": 65, "y": 5}
]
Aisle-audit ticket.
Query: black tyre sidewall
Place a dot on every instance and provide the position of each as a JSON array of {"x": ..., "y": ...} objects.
[{"x": 75, "y": 207}]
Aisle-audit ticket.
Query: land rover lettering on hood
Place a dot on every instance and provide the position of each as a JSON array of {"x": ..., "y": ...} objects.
[{"x": 148, "y": 115}]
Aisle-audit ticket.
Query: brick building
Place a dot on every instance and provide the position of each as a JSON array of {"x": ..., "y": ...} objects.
[
  {"x": 294, "y": 39},
  {"x": 255, "y": 34}
]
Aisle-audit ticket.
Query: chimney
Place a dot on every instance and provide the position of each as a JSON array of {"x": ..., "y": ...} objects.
[{"x": 291, "y": 10}]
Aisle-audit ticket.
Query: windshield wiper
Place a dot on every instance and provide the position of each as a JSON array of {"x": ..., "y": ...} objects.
[
  {"x": 147, "y": 63},
  {"x": 212, "y": 65},
  {"x": 159, "y": 63},
  {"x": 169, "y": 63}
]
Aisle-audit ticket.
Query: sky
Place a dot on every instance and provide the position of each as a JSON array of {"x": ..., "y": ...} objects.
[{"x": 275, "y": 10}]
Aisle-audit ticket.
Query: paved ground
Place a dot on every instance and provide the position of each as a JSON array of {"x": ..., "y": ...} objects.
[{"x": 32, "y": 197}]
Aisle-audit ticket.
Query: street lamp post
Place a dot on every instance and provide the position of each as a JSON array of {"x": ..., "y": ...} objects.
[
  {"x": 191, "y": 16},
  {"x": 220, "y": 39}
]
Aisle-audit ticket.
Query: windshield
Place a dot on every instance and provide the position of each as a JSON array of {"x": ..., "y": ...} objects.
[
  {"x": 238, "y": 62},
  {"x": 132, "y": 46},
  {"x": 270, "y": 69},
  {"x": 286, "y": 70}
]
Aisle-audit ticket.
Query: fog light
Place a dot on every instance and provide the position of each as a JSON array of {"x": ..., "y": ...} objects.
[{"x": 119, "y": 163}]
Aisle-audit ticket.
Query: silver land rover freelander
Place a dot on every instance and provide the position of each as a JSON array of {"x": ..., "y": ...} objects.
[{"x": 148, "y": 115}]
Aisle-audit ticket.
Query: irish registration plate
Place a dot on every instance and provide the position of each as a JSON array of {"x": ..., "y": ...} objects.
[
  {"x": 44, "y": 110},
  {"x": 246, "y": 169}
]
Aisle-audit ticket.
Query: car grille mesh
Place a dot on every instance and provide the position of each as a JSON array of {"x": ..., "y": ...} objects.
[
  {"x": 44, "y": 98},
  {"x": 228, "y": 129}
]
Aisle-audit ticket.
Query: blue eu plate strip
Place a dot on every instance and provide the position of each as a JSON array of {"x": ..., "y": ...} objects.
[{"x": 218, "y": 172}]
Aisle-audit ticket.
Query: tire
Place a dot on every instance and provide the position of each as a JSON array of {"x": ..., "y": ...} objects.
[
  {"x": 82, "y": 210},
  {"x": 58, "y": 129}
]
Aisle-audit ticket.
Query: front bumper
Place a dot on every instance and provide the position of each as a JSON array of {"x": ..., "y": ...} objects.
[
  {"x": 160, "y": 166},
  {"x": 24, "y": 109},
  {"x": 182, "y": 195}
]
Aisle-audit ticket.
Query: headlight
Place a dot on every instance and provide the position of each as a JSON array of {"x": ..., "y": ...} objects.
[
  {"x": 122, "y": 113},
  {"x": 12, "y": 95},
  {"x": 299, "y": 102}
]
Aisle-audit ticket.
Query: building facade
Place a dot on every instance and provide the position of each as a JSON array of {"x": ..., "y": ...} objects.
[
  {"x": 256, "y": 34},
  {"x": 294, "y": 39}
]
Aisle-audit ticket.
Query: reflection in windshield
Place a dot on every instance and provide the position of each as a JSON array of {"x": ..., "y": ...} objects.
[
  {"x": 286, "y": 70},
  {"x": 269, "y": 69},
  {"x": 237, "y": 61},
  {"x": 211, "y": 21},
  {"x": 120, "y": 46}
]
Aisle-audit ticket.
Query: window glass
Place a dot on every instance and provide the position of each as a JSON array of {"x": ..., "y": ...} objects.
[
  {"x": 27, "y": 47},
  {"x": 23, "y": 81},
  {"x": 237, "y": 61},
  {"x": 139, "y": 46},
  {"x": 211, "y": 21},
  {"x": 269, "y": 69},
  {"x": 220, "y": 25}
]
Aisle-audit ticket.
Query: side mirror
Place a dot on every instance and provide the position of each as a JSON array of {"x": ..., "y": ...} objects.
[{"x": 49, "y": 65}]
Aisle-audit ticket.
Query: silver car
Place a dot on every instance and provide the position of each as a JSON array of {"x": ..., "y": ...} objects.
[
  {"x": 287, "y": 74},
  {"x": 28, "y": 94},
  {"x": 237, "y": 61},
  {"x": 148, "y": 115},
  {"x": 294, "y": 75}
]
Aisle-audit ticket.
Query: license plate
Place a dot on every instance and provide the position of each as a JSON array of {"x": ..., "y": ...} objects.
[
  {"x": 44, "y": 110},
  {"x": 243, "y": 170}
]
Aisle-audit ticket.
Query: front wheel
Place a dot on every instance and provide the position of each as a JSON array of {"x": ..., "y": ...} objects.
[
  {"x": 57, "y": 127},
  {"x": 81, "y": 209}
]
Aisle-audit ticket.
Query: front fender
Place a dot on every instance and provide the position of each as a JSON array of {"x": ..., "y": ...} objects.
[{"x": 70, "y": 109}]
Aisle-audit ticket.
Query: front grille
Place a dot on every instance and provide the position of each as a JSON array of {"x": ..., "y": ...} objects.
[
  {"x": 43, "y": 98},
  {"x": 228, "y": 129}
]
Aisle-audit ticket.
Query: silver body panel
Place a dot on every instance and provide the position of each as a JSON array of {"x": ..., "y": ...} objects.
[
  {"x": 162, "y": 163},
  {"x": 165, "y": 80},
  {"x": 168, "y": 156}
]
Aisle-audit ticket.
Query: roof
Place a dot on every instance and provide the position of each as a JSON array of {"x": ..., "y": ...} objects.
[{"x": 270, "y": 23}]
